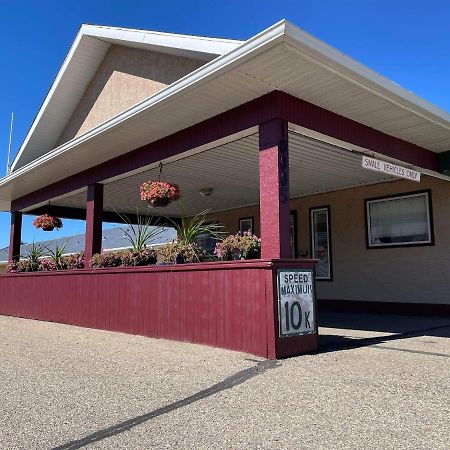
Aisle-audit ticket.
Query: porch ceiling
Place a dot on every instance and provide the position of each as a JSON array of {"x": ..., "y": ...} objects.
[{"x": 231, "y": 170}]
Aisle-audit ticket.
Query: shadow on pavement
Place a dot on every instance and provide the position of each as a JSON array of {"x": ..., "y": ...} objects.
[
  {"x": 384, "y": 323},
  {"x": 398, "y": 327},
  {"x": 228, "y": 383},
  {"x": 403, "y": 327}
]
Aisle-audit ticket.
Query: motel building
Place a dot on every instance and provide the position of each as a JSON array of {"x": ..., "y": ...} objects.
[{"x": 342, "y": 173}]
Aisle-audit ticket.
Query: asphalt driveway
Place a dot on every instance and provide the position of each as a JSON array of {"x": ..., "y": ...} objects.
[{"x": 379, "y": 382}]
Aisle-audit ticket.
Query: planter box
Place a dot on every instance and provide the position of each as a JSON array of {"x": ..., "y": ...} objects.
[{"x": 231, "y": 305}]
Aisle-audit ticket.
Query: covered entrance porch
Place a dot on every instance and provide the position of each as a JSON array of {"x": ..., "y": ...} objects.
[{"x": 264, "y": 166}]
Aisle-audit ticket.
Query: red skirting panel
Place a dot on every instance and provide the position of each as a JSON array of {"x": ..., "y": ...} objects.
[{"x": 222, "y": 305}]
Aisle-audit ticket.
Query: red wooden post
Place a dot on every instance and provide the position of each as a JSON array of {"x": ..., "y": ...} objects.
[
  {"x": 274, "y": 189},
  {"x": 94, "y": 209},
  {"x": 15, "y": 236}
]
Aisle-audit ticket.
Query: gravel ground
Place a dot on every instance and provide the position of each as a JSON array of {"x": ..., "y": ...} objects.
[{"x": 380, "y": 382}]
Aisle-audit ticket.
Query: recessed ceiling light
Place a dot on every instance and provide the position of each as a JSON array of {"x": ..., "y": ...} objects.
[{"x": 206, "y": 192}]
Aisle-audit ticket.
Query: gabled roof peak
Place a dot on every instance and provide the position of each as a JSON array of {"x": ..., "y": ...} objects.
[{"x": 80, "y": 65}]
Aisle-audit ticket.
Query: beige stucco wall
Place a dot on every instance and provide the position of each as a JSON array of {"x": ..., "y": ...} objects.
[
  {"x": 125, "y": 76},
  {"x": 408, "y": 274}
]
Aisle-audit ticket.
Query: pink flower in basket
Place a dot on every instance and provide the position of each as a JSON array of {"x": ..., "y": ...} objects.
[
  {"x": 47, "y": 222},
  {"x": 159, "y": 193}
]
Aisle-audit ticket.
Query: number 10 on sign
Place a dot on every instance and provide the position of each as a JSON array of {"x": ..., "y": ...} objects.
[{"x": 296, "y": 313}]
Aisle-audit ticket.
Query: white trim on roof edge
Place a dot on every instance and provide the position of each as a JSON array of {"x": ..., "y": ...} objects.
[
  {"x": 49, "y": 95},
  {"x": 188, "y": 43}
]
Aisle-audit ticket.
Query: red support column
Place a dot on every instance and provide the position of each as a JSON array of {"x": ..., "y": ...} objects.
[
  {"x": 15, "y": 236},
  {"x": 274, "y": 189},
  {"x": 94, "y": 209}
]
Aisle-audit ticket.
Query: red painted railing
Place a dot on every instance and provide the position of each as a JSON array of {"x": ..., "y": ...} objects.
[{"x": 228, "y": 304}]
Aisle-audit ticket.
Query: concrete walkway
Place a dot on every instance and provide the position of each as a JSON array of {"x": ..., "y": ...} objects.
[{"x": 380, "y": 382}]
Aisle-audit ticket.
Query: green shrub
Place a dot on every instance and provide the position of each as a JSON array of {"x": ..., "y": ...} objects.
[
  {"x": 178, "y": 251},
  {"x": 146, "y": 257}
]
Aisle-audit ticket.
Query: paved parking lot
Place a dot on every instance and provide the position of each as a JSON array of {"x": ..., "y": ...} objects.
[{"x": 379, "y": 382}]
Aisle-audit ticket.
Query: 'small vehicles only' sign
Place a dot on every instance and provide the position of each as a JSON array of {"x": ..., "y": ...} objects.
[
  {"x": 296, "y": 313},
  {"x": 378, "y": 165}
]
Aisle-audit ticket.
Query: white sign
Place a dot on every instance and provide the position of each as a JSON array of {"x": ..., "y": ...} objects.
[
  {"x": 391, "y": 169},
  {"x": 296, "y": 313}
]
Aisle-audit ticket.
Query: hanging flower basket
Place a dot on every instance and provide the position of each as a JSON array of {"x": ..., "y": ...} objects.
[
  {"x": 47, "y": 222},
  {"x": 159, "y": 193}
]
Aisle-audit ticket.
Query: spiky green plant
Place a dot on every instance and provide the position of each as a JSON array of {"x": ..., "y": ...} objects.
[
  {"x": 143, "y": 233},
  {"x": 32, "y": 256},
  {"x": 189, "y": 229},
  {"x": 56, "y": 255}
]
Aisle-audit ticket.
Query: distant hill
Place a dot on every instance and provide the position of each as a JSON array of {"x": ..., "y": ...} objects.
[{"x": 113, "y": 238}]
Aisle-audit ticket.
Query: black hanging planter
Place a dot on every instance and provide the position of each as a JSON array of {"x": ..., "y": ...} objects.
[{"x": 158, "y": 202}]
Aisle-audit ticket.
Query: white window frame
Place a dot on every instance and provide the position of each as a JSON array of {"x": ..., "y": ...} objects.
[
  {"x": 311, "y": 219},
  {"x": 429, "y": 241}
]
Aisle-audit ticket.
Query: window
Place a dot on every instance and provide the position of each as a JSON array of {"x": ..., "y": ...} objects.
[
  {"x": 320, "y": 241},
  {"x": 246, "y": 225},
  {"x": 400, "y": 220}
]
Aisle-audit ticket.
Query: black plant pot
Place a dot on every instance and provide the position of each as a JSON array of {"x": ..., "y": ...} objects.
[
  {"x": 159, "y": 202},
  {"x": 180, "y": 259},
  {"x": 253, "y": 254},
  {"x": 236, "y": 255}
]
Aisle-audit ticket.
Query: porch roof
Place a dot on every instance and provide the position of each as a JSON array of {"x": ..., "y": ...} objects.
[{"x": 283, "y": 57}]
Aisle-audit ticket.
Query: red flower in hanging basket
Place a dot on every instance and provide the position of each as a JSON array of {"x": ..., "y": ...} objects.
[
  {"x": 47, "y": 222},
  {"x": 159, "y": 193}
]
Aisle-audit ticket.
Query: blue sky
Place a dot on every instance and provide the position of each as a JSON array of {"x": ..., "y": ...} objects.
[{"x": 407, "y": 41}]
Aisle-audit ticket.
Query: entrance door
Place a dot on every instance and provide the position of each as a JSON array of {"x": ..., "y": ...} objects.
[{"x": 321, "y": 241}]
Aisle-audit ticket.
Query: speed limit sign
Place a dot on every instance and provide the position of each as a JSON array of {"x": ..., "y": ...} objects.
[{"x": 296, "y": 313}]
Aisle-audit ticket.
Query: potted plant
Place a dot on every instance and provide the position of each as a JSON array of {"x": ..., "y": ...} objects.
[
  {"x": 187, "y": 247},
  {"x": 159, "y": 193},
  {"x": 179, "y": 252},
  {"x": 33, "y": 256},
  {"x": 239, "y": 246},
  {"x": 47, "y": 222},
  {"x": 251, "y": 245},
  {"x": 56, "y": 256},
  {"x": 230, "y": 248}
]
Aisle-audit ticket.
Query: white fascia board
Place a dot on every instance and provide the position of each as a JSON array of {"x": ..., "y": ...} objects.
[
  {"x": 268, "y": 37},
  {"x": 49, "y": 96},
  {"x": 188, "y": 43},
  {"x": 321, "y": 53}
]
